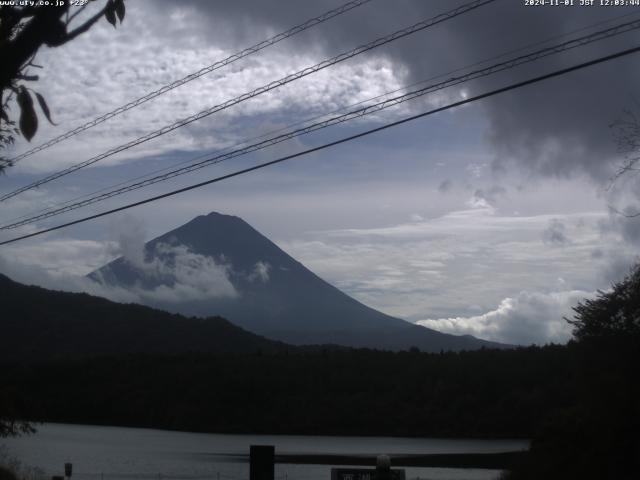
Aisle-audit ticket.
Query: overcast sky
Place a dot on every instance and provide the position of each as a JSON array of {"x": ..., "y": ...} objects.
[{"x": 491, "y": 219}]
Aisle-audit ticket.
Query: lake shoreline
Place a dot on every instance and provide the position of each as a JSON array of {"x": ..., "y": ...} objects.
[
  {"x": 494, "y": 460},
  {"x": 120, "y": 453},
  {"x": 499, "y": 460},
  {"x": 279, "y": 434}
]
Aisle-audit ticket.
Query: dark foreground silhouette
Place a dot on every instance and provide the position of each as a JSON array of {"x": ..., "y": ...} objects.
[
  {"x": 353, "y": 392},
  {"x": 596, "y": 435},
  {"x": 579, "y": 402}
]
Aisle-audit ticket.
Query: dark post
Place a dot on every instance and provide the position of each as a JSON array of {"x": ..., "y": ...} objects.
[
  {"x": 262, "y": 459},
  {"x": 383, "y": 467},
  {"x": 68, "y": 469}
]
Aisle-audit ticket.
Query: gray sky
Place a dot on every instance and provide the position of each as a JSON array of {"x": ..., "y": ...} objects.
[{"x": 491, "y": 219}]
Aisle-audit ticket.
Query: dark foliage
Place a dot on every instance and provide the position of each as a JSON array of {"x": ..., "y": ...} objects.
[
  {"x": 498, "y": 393},
  {"x": 39, "y": 325},
  {"x": 613, "y": 313},
  {"x": 12, "y": 427},
  {"x": 78, "y": 358},
  {"x": 6, "y": 474},
  {"x": 24, "y": 29},
  {"x": 597, "y": 437},
  {"x": 44, "y": 324}
]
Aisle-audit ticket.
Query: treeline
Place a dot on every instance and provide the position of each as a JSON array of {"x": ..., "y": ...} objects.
[
  {"x": 579, "y": 403},
  {"x": 485, "y": 393},
  {"x": 39, "y": 325},
  {"x": 596, "y": 435}
]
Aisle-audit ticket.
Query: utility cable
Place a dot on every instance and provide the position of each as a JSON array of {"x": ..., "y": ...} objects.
[
  {"x": 361, "y": 112},
  {"x": 266, "y": 88},
  {"x": 491, "y": 93},
  {"x": 58, "y": 205},
  {"x": 203, "y": 71}
]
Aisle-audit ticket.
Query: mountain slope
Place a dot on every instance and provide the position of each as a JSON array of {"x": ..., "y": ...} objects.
[
  {"x": 276, "y": 296},
  {"x": 40, "y": 324}
]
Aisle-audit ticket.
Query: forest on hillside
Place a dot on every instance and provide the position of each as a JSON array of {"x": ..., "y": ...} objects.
[{"x": 356, "y": 392}]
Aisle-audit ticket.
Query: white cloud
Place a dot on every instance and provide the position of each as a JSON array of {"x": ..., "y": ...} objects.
[
  {"x": 60, "y": 273},
  {"x": 454, "y": 265},
  {"x": 180, "y": 274},
  {"x": 147, "y": 52},
  {"x": 476, "y": 169},
  {"x": 480, "y": 203},
  {"x": 529, "y": 317},
  {"x": 62, "y": 264},
  {"x": 185, "y": 276},
  {"x": 260, "y": 272},
  {"x": 131, "y": 233},
  {"x": 53, "y": 259}
]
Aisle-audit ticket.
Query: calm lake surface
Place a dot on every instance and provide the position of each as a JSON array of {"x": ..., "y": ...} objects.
[{"x": 116, "y": 453}]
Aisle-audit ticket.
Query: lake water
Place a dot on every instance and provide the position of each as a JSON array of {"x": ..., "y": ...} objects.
[{"x": 116, "y": 453}]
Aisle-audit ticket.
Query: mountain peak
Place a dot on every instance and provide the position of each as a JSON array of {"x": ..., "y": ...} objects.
[
  {"x": 216, "y": 218},
  {"x": 274, "y": 295},
  {"x": 221, "y": 216},
  {"x": 218, "y": 214}
]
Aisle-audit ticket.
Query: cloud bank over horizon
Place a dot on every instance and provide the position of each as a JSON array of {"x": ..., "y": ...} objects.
[{"x": 520, "y": 319}]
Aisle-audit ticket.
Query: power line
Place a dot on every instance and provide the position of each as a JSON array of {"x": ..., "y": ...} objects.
[
  {"x": 266, "y": 88},
  {"x": 513, "y": 86},
  {"x": 361, "y": 112},
  {"x": 203, "y": 71},
  {"x": 68, "y": 203}
]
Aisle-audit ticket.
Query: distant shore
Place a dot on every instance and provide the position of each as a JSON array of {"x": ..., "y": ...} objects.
[{"x": 501, "y": 460}]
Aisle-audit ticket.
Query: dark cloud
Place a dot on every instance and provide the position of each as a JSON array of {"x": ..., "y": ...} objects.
[
  {"x": 617, "y": 266},
  {"x": 558, "y": 128},
  {"x": 625, "y": 223},
  {"x": 555, "y": 234},
  {"x": 496, "y": 191},
  {"x": 629, "y": 224},
  {"x": 445, "y": 186},
  {"x": 491, "y": 195}
]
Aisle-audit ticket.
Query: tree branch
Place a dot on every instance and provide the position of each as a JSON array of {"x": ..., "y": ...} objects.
[
  {"x": 87, "y": 25},
  {"x": 78, "y": 11},
  {"x": 623, "y": 214}
]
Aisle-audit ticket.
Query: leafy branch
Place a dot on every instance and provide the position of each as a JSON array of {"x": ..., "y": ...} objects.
[{"x": 23, "y": 30}]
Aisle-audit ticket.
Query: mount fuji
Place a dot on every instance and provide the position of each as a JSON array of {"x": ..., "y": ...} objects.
[{"x": 219, "y": 265}]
